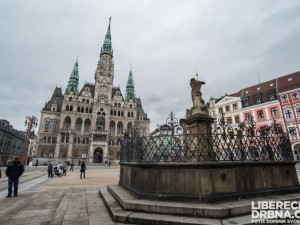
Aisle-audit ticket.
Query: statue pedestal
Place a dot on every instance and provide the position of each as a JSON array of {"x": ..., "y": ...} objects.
[{"x": 201, "y": 146}]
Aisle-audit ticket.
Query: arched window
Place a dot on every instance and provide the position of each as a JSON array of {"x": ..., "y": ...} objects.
[
  {"x": 119, "y": 114},
  {"x": 100, "y": 123},
  {"x": 44, "y": 139},
  {"x": 67, "y": 123},
  {"x": 53, "y": 139},
  {"x": 67, "y": 108},
  {"x": 87, "y": 101},
  {"x": 86, "y": 109},
  {"x": 78, "y": 125},
  {"x": 115, "y": 112},
  {"x": 51, "y": 154},
  {"x": 83, "y": 100},
  {"x": 128, "y": 114},
  {"x": 71, "y": 108},
  {"x": 130, "y": 106},
  {"x": 49, "y": 140},
  {"x": 87, "y": 125},
  {"x": 90, "y": 110},
  {"x": 116, "y": 104},
  {"x": 119, "y": 128},
  {"x": 70, "y": 99},
  {"x": 119, "y": 105},
  {"x": 129, "y": 127},
  {"x": 112, "y": 127},
  {"x": 122, "y": 113},
  {"x": 119, "y": 142},
  {"x": 78, "y": 109},
  {"x": 111, "y": 112},
  {"x": 55, "y": 126},
  {"x": 82, "y": 109},
  {"x": 131, "y": 114}
]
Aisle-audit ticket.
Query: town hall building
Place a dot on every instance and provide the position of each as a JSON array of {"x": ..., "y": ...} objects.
[{"x": 88, "y": 124}]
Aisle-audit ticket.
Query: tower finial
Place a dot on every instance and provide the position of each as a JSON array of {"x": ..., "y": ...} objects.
[{"x": 109, "y": 21}]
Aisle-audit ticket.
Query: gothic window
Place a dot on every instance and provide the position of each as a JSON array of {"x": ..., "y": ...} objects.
[
  {"x": 112, "y": 127},
  {"x": 83, "y": 100},
  {"x": 115, "y": 112},
  {"x": 260, "y": 114},
  {"x": 62, "y": 138},
  {"x": 284, "y": 98},
  {"x": 78, "y": 109},
  {"x": 120, "y": 128},
  {"x": 87, "y": 125},
  {"x": 70, "y": 99},
  {"x": 274, "y": 111},
  {"x": 67, "y": 108},
  {"x": 53, "y": 139},
  {"x": 116, "y": 104},
  {"x": 78, "y": 125},
  {"x": 49, "y": 140},
  {"x": 295, "y": 95},
  {"x": 119, "y": 142},
  {"x": 100, "y": 123},
  {"x": 87, "y": 101},
  {"x": 111, "y": 112},
  {"x": 119, "y": 105},
  {"x": 47, "y": 125},
  {"x": 131, "y": 114},
  {"x": 44, "y": 139},
  {"x": 122, "y": 113},
  {"x": 71, "y": 108},
  {"x": 86, "y": 109},
  {"x": 90, "y": 110},
  {"x": 119, "y": 114},
  {"x": 288, "y": 114},
  {"x": 130, "y": 106},
  {"x": 67, "y": 123},
  {"x": 82, "y": 109}
]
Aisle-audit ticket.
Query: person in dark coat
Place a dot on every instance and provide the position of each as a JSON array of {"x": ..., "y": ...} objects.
[
  {"x": 82, "y": 170},
  {"x": 13, "y": 172},
  {"x": 72, "y": 166},
  {"x": 50, "y": 169}
]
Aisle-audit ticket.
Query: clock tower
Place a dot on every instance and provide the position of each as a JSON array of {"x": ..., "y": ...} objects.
[{"x": 104, "y": 74}]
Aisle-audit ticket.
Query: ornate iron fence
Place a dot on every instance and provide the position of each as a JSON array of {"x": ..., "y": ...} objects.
[{"x": 173, "y": 143}]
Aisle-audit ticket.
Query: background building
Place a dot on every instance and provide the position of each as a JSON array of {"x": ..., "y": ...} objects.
[
  {"x": 88, "y": 124},
  {"x": 12, "y": 142},
  {"x": 274, "y": 100}
]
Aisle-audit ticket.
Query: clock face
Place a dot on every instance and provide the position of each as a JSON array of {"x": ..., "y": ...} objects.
[{"x": 103, "y": 90}]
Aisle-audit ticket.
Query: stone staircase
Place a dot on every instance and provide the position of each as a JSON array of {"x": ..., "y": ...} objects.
[{"x": 126, "y": 208}]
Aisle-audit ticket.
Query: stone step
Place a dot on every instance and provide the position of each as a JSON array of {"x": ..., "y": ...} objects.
[{"x": 118, "y": 214}]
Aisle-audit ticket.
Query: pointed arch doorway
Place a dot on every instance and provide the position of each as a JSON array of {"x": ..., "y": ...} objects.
[{"x": 98, "y": 155}]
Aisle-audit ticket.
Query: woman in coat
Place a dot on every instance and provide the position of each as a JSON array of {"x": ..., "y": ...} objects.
[{"x": 82, "y": 170}]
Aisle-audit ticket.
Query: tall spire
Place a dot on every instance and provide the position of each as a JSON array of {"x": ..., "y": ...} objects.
[
  {"x": 107, "y": 42},
  {"x": 74, "y": 79},
  {"x": 130, "y": 88}
]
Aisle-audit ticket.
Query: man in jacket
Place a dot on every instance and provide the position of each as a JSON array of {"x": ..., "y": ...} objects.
[{"x": 13, "y": 172}]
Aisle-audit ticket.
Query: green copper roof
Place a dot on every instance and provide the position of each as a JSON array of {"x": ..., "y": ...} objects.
[
  {"x": 107, "y": 42},
  {"x": 74, "y": 78},
  {"x": 130, "y": 88}
]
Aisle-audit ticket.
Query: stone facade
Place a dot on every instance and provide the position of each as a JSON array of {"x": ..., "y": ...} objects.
[{"x": 89, "y": 124}]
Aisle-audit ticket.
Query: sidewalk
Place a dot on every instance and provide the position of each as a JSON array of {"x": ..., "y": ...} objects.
[{"x": 61, "y": 200}]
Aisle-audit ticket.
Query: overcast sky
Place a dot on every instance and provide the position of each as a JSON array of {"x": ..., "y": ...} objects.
[{"x": 231, "y": 43}]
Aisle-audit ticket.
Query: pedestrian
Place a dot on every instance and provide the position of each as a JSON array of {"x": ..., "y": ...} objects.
[
  {"x": 79, "y": 163},
  {"x": 60, "y": 168},
  {"x": 36, "y": 162},
  {"x": 109, "y": 164},
  {"x": 72, "y": 165},
  {"x": 13, "y": 172},
  {"x": 50, "y": 170},
  {"x": 82, "y": 170},
  {"x": 65, "y": 168}
]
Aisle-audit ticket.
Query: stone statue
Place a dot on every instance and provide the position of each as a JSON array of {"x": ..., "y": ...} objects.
[{"x": 198, "y": 102}]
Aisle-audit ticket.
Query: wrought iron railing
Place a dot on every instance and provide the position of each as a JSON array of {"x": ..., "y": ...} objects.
[{"x": 222, "y": 142}]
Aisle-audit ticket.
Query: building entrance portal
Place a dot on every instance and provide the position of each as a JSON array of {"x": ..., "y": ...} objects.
[{"x": 98, "y": 155}]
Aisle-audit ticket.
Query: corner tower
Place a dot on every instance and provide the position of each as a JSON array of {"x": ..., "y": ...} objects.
[
  {"x": 130, "y": 95},
  {"x": 104, "y": 74},
  {"x": 74, "y": 79}
]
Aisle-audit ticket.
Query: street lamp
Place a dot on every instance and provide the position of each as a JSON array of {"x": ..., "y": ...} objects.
[{"x": 30, "y": 123}]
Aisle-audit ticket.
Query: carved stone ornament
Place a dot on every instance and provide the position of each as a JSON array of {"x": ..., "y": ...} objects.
[{"x": 198, "y": 102}]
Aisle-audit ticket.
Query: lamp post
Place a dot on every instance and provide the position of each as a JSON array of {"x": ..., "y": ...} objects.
[{"x": 30, "y": 123}]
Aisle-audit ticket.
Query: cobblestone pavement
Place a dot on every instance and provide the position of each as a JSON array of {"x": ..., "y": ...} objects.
[{"x": 59, "y": 201}]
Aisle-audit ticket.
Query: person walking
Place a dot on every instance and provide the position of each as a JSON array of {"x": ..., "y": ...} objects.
[
  {"x": 13, "y": 172},
  {"x": 65, "y": 168},
  {"x": 50, "y": 170},
  {"x": 82, "y": 170},
  {"x": 36, "y": 162},
  {"x": 79, "y": 163},
  {"x": 72, "y": 166}
]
